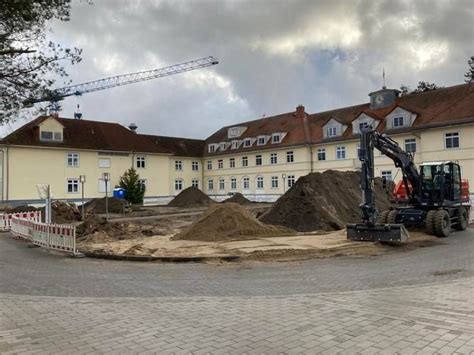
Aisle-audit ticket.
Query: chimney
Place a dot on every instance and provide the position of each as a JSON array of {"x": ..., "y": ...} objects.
[
  {"x": 133, "y": 127},
  {"x": 300, "y": 112}
]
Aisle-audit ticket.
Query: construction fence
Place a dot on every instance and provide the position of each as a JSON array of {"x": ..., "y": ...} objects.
[{"x": 6, "y": 218}]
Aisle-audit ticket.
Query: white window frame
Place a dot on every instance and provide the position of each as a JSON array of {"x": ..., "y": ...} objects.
[
  {"x": 220, "y": 164},
  {"x": 209, "y": 165},
  {"x": 261, "y": 140},
  {"x": 195, "y": 166},
  {"x": 74, "y": 183},
  {"x": 396, "y": 124},
  {"x": 258, "y": 158},
  {"x": 178, "y": 185},
  {"x": 233, "y": 183},
  {"x": 178, "y": 165},
  {"x": 331, "y": 131},
  {"x": 321, "y": 151},
  {"x": 247, "y": 142},
  {"x": 273, "y": 158},
  {"x": 231, "y": 162},
  {"x": 260, "y": 183},
  {"x": 195, "y": 183},
  {"x": 210, "y": 185},
  {"x": 276, "y": 138},
  {"x": 235, "y": 144},
  {"x": 221, "y": 184},
  {"x": 341, "y": 152},
  {"x": 211, "y": 148},
  {"x": 410, "y": 142},
  {"x": 55, "y": 136},
  {"x": 274, "y": 182},
  {"x": 452, "y": 136},
  {"x": 140, "y": 162},
  {"x": 290, "y": 157},
  {"x": 291, "y": 180},
  {"x": 74, "y": 157},
  {"x": 245, "y": 161},
  {"x": 245, "y": 183}
]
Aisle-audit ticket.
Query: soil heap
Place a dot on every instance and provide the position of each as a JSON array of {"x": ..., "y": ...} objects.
[
  {"x": 97, "y": 205},
  {"x": 323, "y": 201},
  {"x": 189, "y": 197},
  {"x": 63, "y": 212},
  {"x": 229, "y": 221},
  {"x": 22, "y": 208},
  {"x": 238, "y": 198}
]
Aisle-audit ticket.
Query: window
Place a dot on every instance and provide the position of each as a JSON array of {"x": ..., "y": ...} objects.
[
  {"x": 232, "y": 162},
  {"x": 102, "y": 186},
  {"x": 451, "y": 140},
  {"x": 386, "y": 174},
  {"x": 340, "y": 153},
  {"x": 245, "y": 183},
  {"x": 72, "y": 159},
  {"x": 331, "y": 131},
  {"x": 363, "y": 125},
  {"x": 321, "y": 154},
  {"x": 220, "y": 164},
  {"x": 233, "y": 183},
  {"x": 195, "y": 183},
  {"x": 260, "y": 182},
  {"x": 209, "y": 165},
  {"x": 274, "y": 182},
  {"x": 104, "y": 162},
  {"x": 262, "y": 140},
  {"x": 276, "y": 138},
  {"x": 235, "y": 144},
  {"x": 210, "y": 185},
  {"x": 273, "y": 158},
  {"x": 72, "y": 186},
  {"x": 258, "y": 160},
  {"x": 221, "y": 184},
  {"x": 51, "y": 136},
  {"x": 247, "y": 142},
  {"x": 195, "y": 166},
  {"x": 291, "y": 180},
  {"x": 212, "y": 148},
  {"x": 290, "y": 157},
  {"x": 178, "y": 165},
  {"x": 223, "y": 146},
  {"x": 245, "y": 161},
  {"x": 398, "y": 121},
  {"x": 410, "y": 145},
  {"x": 140, "y": 162},
  {"x": 142, "y": 183},
  {"x": 178, "y": 185}
]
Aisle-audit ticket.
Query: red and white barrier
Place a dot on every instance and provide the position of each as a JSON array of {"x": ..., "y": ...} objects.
[
  {"x": 60, "y": 237},
  {"x": 6, "y": 218}
]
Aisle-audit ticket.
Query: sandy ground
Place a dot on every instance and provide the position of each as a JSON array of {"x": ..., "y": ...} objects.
[{"x": 279, "y": 248}]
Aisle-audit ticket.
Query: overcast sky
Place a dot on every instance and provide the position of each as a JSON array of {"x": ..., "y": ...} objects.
[{"x": 274, "y": 55}]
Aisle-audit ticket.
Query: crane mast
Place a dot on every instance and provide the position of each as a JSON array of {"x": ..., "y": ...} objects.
[{"x": 125, "y": 79}]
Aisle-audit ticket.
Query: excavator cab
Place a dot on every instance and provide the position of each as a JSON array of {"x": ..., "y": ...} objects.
[{"x": 440, "y": 183}]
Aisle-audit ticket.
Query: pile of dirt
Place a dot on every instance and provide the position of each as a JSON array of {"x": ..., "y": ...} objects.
[
  {"x": 230, "y": 221},
  {"x": 238, "y": 198},
  {"x": 97, "y": 205},
  {"x": 189, "y": 197},
  {"x": 63, "y": 212},
  {"x": 22, "y": 208},
  {"x": 98, "y": 230},
  {"x": 323, "y": 201}
]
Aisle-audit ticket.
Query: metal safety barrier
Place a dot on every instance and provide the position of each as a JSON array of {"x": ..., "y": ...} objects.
[
  {"x": 60, "y": 237},
  {"x": 6, "y": 218}
]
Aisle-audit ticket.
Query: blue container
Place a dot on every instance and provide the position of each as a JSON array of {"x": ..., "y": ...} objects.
[{"x": 119, "y": 193}]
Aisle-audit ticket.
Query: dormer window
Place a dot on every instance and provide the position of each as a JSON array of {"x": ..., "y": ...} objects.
[
  {"x": 51, "y": 136},
  {"x": 261, "y": 140},
  {"x": 212, "y": 148},
  {"x": 332, "y": 131},
  {"x": 223, "y": 146},
  {"x": 247, "y": 142},
  {"x": 235, "y": 144},
  {"x": 363, "y": 125},
  {"x": 276, "y": 138},
  {"x": 398, "y": 122},
  {"x": 235, "y": 132}
]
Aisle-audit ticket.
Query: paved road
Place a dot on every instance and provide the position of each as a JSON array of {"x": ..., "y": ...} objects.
[{"x": 406, "y": 302}]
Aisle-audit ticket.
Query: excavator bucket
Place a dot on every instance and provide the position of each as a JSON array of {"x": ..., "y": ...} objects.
[{"x": 390, "y": 233}]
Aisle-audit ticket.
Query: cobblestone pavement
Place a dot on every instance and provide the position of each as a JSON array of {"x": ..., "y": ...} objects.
[{"x": 419, "y": 301}]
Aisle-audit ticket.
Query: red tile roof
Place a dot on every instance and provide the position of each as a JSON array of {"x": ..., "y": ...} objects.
[{"x": 183, "y": 147}]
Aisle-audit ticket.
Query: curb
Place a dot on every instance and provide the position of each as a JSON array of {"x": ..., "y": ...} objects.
[{"x": 166, "y": 259}]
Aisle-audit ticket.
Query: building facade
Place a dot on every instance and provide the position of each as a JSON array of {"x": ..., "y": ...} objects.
[{"x": 260, "y": 158}]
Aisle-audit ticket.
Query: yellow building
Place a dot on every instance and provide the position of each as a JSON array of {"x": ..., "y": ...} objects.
[{"x": 260, "y": 158}]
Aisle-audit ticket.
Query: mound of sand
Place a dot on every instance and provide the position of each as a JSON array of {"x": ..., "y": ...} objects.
[
  {"x": 323, "y": 201},
  {"x": 189, "y": 197},
  {"x": 230, "y": 221},
  {"x": 97, "y": 205},
  {"x": 238, "y": 198}
]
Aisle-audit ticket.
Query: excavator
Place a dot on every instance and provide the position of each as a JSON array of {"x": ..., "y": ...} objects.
[{"x": 434, "y": 197}]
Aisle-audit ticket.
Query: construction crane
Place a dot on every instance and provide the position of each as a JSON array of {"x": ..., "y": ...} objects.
[{"x": 56, "y": 95}]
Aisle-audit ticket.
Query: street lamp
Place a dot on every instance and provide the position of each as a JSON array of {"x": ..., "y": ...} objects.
[
  {"x": 106, "y": 178},
  {"x": 284, "y": 182},
  {"x": 82, "y": 180}
]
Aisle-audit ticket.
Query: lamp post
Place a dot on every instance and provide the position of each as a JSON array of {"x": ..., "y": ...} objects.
[
  {"x": 82, "y": 180},
  {"x": 284, "y": 182},
  {"x": 106, "y": 178}
]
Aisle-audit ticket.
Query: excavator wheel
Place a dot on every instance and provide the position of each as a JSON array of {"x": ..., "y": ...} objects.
[
  {"x": 442, "y": 224},
  {"x": 430, "y": 222},
  {"x": 392, "y": 215},
  {"x": 382, "y": 218},
  {"x": 463, "y": 219}
]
